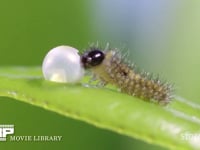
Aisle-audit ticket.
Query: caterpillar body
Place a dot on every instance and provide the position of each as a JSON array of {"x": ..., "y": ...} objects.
[{"x": 110, "y": 67}]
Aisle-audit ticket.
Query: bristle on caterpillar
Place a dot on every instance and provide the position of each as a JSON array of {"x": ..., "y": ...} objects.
[{"x": 109, "y": 67}]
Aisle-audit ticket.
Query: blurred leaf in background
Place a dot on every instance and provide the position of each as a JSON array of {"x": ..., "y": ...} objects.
[{"x": 30, "y": 28}]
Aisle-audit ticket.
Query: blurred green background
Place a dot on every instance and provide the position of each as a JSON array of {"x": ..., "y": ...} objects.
[{"x": 162, "y": 37}]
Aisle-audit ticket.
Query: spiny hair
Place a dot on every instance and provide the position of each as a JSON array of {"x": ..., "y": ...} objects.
[{"x": 113, "y": 68}]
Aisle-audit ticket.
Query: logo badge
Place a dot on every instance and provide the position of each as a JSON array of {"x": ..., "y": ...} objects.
[{"x": 6, "y": 130}]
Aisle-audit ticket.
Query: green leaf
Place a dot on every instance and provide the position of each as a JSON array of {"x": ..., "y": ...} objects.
[{"x": 168, "y": 126}]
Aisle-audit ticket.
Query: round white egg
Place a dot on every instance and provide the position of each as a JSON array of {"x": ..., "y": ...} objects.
[{"x": 62, "y": 64}]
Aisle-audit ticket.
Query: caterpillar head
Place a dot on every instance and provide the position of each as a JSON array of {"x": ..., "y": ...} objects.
[{"x": 92, "y": 58}]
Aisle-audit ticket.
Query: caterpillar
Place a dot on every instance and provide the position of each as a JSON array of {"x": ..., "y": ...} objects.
[{"x": 110, "y": 67}]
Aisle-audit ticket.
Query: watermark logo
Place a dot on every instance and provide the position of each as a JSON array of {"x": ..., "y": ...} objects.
[
  {"x": 190, "y": 136},
  {"x": 6, "y": 130}
]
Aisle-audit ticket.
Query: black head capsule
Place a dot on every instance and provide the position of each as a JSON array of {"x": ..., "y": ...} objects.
[{"x": 92, "y": 58}]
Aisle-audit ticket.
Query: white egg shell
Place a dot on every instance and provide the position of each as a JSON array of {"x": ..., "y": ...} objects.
[{"x": 62, "y": 64}]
